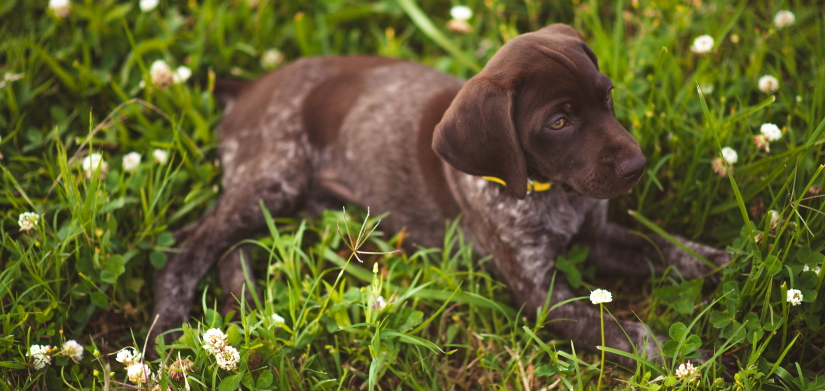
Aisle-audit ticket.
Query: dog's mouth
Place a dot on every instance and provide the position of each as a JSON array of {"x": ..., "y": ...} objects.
[{"x": 594, "y": 186}]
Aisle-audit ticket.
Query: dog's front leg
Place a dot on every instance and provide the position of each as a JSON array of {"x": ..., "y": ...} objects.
[
  {"x": 527, "y": 267},
  {"x": 616, "y": 250},
  {"x": 524, "y": 238},
  {"x": 235, "y": 216}
]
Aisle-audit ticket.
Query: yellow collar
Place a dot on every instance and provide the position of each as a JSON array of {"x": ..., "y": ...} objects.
[{"x": 531, "y": 186}]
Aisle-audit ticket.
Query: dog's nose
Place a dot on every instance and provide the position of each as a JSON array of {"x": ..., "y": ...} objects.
[{"x": 632, "y": 168}]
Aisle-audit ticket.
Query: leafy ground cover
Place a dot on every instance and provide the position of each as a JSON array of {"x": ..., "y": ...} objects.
[{"x": 106, "y": 151}]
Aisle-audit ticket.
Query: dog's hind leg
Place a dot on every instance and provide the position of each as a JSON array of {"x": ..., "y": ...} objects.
[
  {"x": 235, "y": 216},
  {"x": 232, "y": 278}
]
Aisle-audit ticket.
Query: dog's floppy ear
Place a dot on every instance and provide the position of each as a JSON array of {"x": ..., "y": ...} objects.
[{"x": 477, "y": 135}]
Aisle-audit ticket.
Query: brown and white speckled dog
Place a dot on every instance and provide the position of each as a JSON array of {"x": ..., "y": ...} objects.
[{"x": 400, "y": 137}]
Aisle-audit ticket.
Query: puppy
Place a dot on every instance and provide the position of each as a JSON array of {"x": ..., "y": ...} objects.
[{"x": 527, "y": 151}]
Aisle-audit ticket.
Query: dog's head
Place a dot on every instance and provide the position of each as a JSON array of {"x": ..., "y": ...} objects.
[{"x": 540, "y": 109}]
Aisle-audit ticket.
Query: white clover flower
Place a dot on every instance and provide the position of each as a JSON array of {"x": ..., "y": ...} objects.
[
  {"x": 278, "y": 320},
  {"x": 806, "y": 268},
  {"x": 770, "y": 131},
  {"x": 131, "y": 161},
  {"x": 730, "y": 155},
  {"x": 128, "y": 357},
  {"x": 91, "y": 164},
  {"x": 73, "y": 350},
  {"x": 228, "y": 358},
  {"x": 161, "y": 156},
  {"x": 60, "y": 8},
  {"x": 461, "y": 12},
  {"x": 459, "y": 26},
  {"x": 768, "y": 84},
  {"x": 182, "y": 74},
  {"x": 794, "y": 296},
  {"x": 40, "y": 356},
  {"x": 719, "y": 167},
  {"x": 762, "y": 143},
  {"x": 774, "y": 216},
  {"x": 139, "y": 373},
  {"x": 600, "y": 296},
  {"x": 784, "y": 18},
  {"x": 271, "y": 59},
  {"x": 214, "y": 341},
  {"x": 686, "y": 372},
  {"x": 9, "y": 77},
  {"x": 28, "y": 220},
  {"x": 148, "y": 5},
  {"x": 702, "y": 44},
  {"x": 379, "y": 304},
  {"x": 161, "y": 74}
]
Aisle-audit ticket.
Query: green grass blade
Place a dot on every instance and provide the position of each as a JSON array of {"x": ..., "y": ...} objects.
[{"x": 428, "y": 27}]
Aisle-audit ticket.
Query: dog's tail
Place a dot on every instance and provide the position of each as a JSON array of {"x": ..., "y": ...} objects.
[{"x": 227, "y": 91}]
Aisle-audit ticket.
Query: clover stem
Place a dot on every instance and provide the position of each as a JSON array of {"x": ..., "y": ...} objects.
[{"x": 601, "y": 321}]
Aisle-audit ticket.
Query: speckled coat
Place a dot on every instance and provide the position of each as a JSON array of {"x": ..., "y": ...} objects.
[{"x": 399, "y": 137}]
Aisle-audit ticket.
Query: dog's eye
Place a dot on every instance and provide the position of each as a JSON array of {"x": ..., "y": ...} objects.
[{"x": 558, "y": 124}]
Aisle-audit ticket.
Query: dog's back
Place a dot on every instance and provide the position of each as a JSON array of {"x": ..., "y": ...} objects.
[{"x": 362, "y": 124}]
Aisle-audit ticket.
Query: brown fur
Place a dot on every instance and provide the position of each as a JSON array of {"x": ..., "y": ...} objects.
[{"x": 330, "y": 129}]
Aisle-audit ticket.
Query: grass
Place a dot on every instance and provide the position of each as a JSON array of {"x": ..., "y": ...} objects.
[{"x": 80, "y": 84}]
